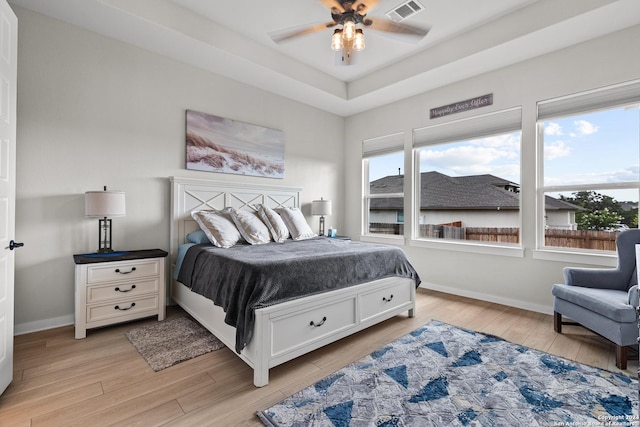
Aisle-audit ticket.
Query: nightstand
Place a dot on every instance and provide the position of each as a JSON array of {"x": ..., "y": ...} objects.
[{"x": 112, "y": 288}]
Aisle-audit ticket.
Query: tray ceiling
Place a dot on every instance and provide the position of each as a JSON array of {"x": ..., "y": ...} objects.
[{"x": 231, "y": 38}]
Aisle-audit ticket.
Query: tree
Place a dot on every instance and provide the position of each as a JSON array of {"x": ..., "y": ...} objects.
[
  {"x": 599, "y": 212},
  {"x": 602, "y": 219}
]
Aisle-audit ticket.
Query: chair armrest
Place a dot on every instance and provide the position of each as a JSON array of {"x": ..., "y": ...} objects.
[
  {"x": 632, "y": 296},
  {"x": 601, "y": 278}
]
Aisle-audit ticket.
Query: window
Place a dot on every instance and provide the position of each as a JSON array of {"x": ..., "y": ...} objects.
[
  {"x": 383, "y": 165},
  {"x": 469, "y": 179},
  {"x": 590, "y": 167}
]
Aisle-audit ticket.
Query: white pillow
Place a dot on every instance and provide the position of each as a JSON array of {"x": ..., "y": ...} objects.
[
  {"x": 296, "y": 223},
  {"x": 250, "y": 226},
  {"x": 274, "y": 222},
  {"x": 218, "y": 226}
]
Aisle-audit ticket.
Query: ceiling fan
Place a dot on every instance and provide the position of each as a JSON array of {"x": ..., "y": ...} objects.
[{"x": 348, "y": 38}]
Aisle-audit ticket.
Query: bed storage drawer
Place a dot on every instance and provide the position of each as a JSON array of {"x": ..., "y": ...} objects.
[
  {"x": 380, "y": 301},
  {"x": 302, "y": 328}
]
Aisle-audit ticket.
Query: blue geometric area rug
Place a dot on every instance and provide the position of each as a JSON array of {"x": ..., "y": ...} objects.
[{"x": 442, "y": 375}]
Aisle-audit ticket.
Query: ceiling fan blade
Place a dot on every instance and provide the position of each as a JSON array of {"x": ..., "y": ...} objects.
[
  {"x": 331, "y": 4},
  {"x": 363, "y": 7},
  {"x": 283, "y": 35},
  {"x": 397, "y": 28}
]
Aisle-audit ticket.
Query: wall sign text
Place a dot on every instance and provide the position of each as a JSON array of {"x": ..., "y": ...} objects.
[{"x": 458, "y": 107}]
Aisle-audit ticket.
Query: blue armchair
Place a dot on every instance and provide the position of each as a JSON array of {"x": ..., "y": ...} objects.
[{"x": 603, "y": 300}]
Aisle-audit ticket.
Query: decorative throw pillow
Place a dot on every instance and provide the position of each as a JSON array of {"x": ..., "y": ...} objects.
[
  {"x": 296, "y": 223},
  {"x": 218, "y": 226},
  {"x": 274, "y": 223},
  {"x": 198, "y": 236},
  {"x": 250, "y": 226}
]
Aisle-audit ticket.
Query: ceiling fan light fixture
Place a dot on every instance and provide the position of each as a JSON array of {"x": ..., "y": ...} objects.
[
  {"x": 336, "y": 40},
  {"x": 346, "y": 15},
  {"x": 349, "y": 29},
  {"x": 358, "y": 43}
]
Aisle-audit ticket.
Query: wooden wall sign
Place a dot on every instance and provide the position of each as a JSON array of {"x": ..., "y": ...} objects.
[{"x": 459, "y": 107}]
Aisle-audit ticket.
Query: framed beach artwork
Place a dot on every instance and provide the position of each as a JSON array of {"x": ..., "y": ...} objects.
[{"x": 218, "y": 144}]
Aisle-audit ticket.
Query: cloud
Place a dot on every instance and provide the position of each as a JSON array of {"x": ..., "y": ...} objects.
[
  {"x": 584, "y": 127},
  {"x": 627, "y": 174},
  {"x": 508, "y": 142},
  {"x": 555, "y": 150},
  {"x": 553, "y": 129},
  {"x": 465, "y": 155},
  {"x": 497, "y": 155}
]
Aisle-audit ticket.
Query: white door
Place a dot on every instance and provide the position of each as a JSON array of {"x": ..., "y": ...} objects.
[{"x": 8, "y": 78}]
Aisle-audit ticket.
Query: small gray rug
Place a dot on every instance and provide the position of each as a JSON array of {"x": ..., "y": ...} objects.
[{"x": 172, "y": 341}]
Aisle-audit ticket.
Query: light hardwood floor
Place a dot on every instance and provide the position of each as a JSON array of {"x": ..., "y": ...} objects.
[{"x": 103, "y": 381}]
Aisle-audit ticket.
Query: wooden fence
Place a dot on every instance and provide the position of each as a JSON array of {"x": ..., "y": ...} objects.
[
  {"x": 581, "y": 239},
  {"x": 600, "y": 240}
]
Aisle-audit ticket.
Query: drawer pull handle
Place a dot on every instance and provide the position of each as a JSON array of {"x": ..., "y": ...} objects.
[
  {"x": 117, "y": 307},
  {"x": 385, "y": 299},
  {"x": 126, "y": 272},
  {"x": 125, "y": 290},
  {"x": 312, "y": 323}
]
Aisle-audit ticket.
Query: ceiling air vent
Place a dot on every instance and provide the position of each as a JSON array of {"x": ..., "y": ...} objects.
[{"x": 405, "y": 10}]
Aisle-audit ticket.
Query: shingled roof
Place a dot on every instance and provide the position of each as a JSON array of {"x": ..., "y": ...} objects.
[{"x": 474, "y": 192}]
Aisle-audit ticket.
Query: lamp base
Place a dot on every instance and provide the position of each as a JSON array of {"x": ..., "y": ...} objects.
[
  {"x": 321, "y": 230},
  {"x": 104, "y": 236}
]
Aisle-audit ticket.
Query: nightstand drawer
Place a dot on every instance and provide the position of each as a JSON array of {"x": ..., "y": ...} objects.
[
  {"x": 131, "y": 288},
  {"x": 129, "y": 307},
  {"x": 122, "y": 271}
]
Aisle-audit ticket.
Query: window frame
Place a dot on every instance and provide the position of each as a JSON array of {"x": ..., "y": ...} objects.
[
  {"x": 586, "y": 102},
  {"x": 371, "y": 148},
  {"x": 498, "y": 122}
]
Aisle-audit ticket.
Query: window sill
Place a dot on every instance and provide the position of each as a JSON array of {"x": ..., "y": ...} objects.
[
  {"x": 466, "y": 246},
  {"x": 383, "y": 239},
  {"x": 596, "y": 259}
]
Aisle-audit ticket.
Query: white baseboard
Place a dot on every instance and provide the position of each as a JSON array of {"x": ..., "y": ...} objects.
[
  {"x": 42, "y": 325},
  {"x": 489, "y": 298}
]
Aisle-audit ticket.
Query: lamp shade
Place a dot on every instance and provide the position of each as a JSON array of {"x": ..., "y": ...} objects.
[
  {"x": 104, "y": 204},
  {"x": 321, "y": 207}
]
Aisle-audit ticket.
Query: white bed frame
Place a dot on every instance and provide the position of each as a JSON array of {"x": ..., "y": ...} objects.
[{"x": 284, "y": 331}]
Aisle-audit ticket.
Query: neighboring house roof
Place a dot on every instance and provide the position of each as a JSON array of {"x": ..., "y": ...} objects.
[
  {"x": 628, "y": 206},
  {"x": 474, "y": 192}
]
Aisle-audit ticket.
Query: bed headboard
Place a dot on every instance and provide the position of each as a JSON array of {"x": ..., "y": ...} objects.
[{"x": 191, "y": 194}]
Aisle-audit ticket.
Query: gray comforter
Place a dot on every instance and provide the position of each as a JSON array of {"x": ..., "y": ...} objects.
[{"x": 244, "y": 278}]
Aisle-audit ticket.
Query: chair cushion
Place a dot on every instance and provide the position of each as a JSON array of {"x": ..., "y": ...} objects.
[{"x": 612, "y": 304}]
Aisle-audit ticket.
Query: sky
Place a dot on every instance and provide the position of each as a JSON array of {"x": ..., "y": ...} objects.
[{"x": 594, "y": 148}]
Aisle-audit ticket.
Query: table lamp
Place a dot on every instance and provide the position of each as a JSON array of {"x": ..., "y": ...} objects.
[
  {"x": 321, "y": 207},
  {"x": 104, "y": 204}
]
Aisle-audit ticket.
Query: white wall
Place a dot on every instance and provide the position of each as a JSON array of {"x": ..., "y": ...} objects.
[
  {"x": 561, "y": 219},
  {"x": 93, "y": 111},
  {"x": 521, "y": 281}
]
